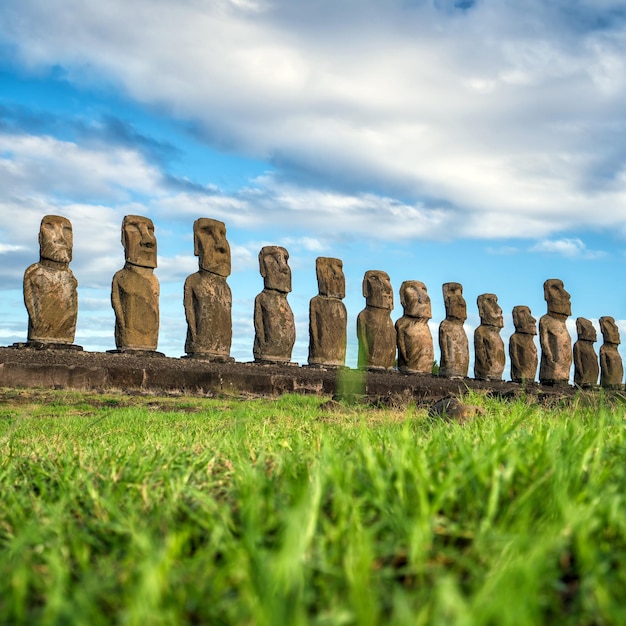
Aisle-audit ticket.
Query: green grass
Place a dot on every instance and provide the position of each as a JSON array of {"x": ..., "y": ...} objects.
[{"x": 147, "y": 510}]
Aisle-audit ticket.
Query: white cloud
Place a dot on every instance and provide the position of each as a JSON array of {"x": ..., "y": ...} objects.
[{"x": 570, "y": 248}]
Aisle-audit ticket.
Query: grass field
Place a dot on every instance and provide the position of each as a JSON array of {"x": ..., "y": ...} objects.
[{"x": 148, "y": 510}]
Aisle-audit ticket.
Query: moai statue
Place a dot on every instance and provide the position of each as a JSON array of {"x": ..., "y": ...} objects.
[
  {"x": 522, "y": 348},
  {"x": 207, "y": 296},
  {"x": 50, "y": 288},
  {"x": 415, "y": 343},
  {"x": 556, "y": 344},
  {"x": 328, "y": 318},
  {"x": 374, "y": 328},
  {"x": 611, "y": 367},
  {"x": 489, "y": 355},
  {"x": 586, "y": 368},
  {"x": 135, "y": 288},
  {"x": 274, "y": 325},
  {"x": 452, "y": 338}
]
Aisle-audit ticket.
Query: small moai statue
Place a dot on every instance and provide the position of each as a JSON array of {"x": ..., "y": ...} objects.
[
  {"x": 375, "y": 330},
  {"x": 50, "y": 289},
  {"x": 522, "y": 348},
  {"x": 586, "y": 368},
  {"x": 328, "y": 318},
  {"x": 453, "y": 341},
  {"x": 207, "y": 296},
  {"x": 135, "y": 288},
  {"x": 611, "y": 366},
  {"x": 416, "y": 354},
  {"x": 489, "y": 357},
  {"x": 274, "y": 325},
  {"x": 556, "y": 344}
]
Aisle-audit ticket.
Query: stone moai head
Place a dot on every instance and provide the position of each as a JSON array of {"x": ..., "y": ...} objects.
[
  {"x": 275, "y": 269},
  {"x": 609, "y": 330},
  {"x": 454, "y": 302},
  {"x": 557, "y": 298},
  {"x": 489, "y": 310},
  {"x": 211, "y": 247},
  {"x": 524, "y": 321},
  {"x": 330, "y": 279},
  {"x": 55, "y": 239},
  {"x": 415, "y": 299},
  {"x": 377, "y": 290},
  {"x": 585, "y": 330},
  {"x": 140, "y": 246}
]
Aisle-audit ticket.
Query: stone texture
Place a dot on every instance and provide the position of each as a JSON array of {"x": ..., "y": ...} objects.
[
  {"x": 453, "y": 341},
  {"x": 489, "y": 357},
  {"x": 50, "y": 289},
  {"x": 522, "y": 348},
  {"x": 556, "y": 343},
  {"x": 416, "y": 353},
  {"x": 274, "y": 325},
  {"x": 455, "y": 410},
  {"x": 328, "y": 318},
  {"x": 611, "y": 366},
  {"x": 586, "y": 367},
  {"x": 207, "y": 296},
  {"x": 375, "y": 331},
  {"x": 135, "y": 288}
]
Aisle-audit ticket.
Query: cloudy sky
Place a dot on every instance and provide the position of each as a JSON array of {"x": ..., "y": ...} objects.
[{"x": 477, "y": 141}]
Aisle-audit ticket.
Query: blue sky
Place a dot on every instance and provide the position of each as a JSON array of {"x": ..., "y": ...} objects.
[{"x": 479, "y": 142}]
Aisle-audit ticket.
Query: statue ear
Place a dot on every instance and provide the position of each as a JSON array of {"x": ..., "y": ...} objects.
[
  {"x": 196, "y": 247},
  {"x": 262, "y": 266}
]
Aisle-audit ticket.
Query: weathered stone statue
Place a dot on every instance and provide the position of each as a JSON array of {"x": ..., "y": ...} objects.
[
  {"x": 135, "y": 288},
  {"x": 586, "y": 368},
  {"x": 522, "y": 348},
  {"x": 489, "y": 357},
  {"x": 328, "y": 318},
  {"x": 50, "y": 288},
  {"x": 556, "y": 344},
  {"x": 274, "y": 325},
  {"x": 416, "y": 354},
  {"x": 207, "y": 296},
  {"x": 452, "y": 338},
  {"x": 611, "y": 366},
  {"x": 374, "y": 328}
]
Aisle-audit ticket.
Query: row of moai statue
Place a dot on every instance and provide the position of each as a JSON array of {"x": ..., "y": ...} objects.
[{"x": 50, "y": 295}]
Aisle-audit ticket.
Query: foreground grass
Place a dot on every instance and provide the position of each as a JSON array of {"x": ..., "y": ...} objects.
[{"x": 116, "y": 510}]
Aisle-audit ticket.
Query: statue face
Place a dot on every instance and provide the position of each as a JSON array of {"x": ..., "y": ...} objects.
[
  {"x": 415, "y": 299},
  {"x": 489, "y": 310},
  {"x": 610, "y": 331},
  {"x": 210, "y": 245},
  {"x": 377, "y": 290},
  {"x": 523, "y": 320},
  {"x": 56, "y": 239},
  {"x": 330, "y": 279},
  {"x": 557, "y": 298},
  {"x": 585, "y": 330},
  {"x": 274, "y": 268},
  {"x": 140, "y": 246},
  {"x": 454, "y": 302}
]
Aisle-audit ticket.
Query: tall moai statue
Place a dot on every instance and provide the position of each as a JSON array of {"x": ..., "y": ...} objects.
[
  {"x": 453, "y": 341},
  {"x": 274, "y": 325},
  {"x": 556, "y": 344},
  {"x": 375, "y": 330},
  {"x": 586, "y": 367},
  {"x": 50, "y": 289},
  {"x": 611, "y": 366},
  {"x": 328, "y": 318},
  {"x": 522, "y": 348},
  {"x": 207, "y": 296},
  {"x": 135, "y": 288},
  {"x": 416, "y": 354},
  {"x": 489, "y": 357}
]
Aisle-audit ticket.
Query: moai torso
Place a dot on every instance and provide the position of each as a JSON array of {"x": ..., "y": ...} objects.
[
  {"x": 611, "y": 366},
  {"x": 328, "y": 318},
  {"x": 414, "y": 340},
  {"x": 522, "y": 348},
  {"x": 586, "y": 368},
  {"x": 376, "y": 333},
  {"x": 556, "y": 343},
  {"x": 453, "y": 342},
  {"x": 489, "y": 355}
]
